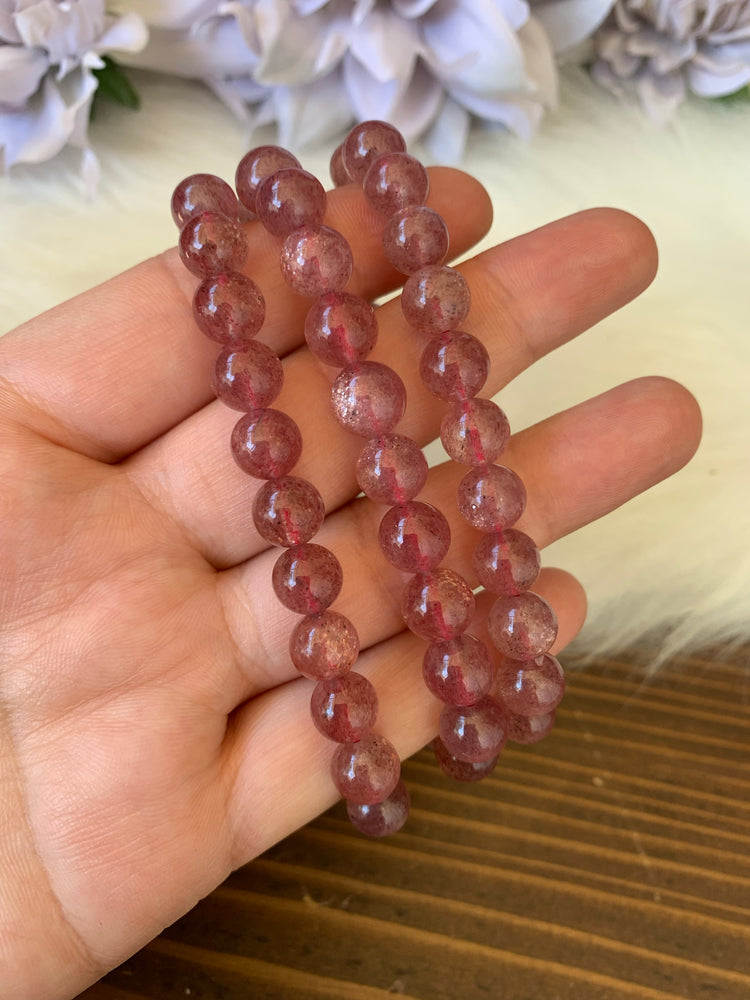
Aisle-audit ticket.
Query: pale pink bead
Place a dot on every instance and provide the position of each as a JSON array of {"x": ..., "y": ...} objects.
[
  {"x": 338, "y": 171},
  {"x": 344, "y": 708},
  {"x": 381, "y": 819},
  {"x": 229, "y": 308},
  {"x": 461, "y": 770},
  {"x": 454, "y": 365},
  {"x": 368, "y": 400},
  {"x": 414, "y": 536},
  {"x": 474, "y": 431},
  {"x": 266, "y": 443},
  {"x": 458, "y": 671},
  {"x": 365, "y": 143},
  {"x": 366, "y": 772},
  {"x": 202, "y": 193},
  {"x": 522, "y": 626},
  {"x": 288, "y": 511},
  {"x": 255, "y": 166},
  {"x": 473, "y": 733},
  {"x": 324, "y": 645},
  {"x": 316, "y": 259},
  {"x": 391, "y": 469},
  {"x": 506, "y": 562},
  {"x": 438, "y": 605},
  {"x": 212, "y": 244},
  {"x": 415, "y": 237},
  {"x": 288, "y": 199},
  {"x": 341, "y": 329},
  {"x": 529, "y": 729},
  {"x": 395, "y": 180},
  {"x": 491, "y": 498},
  {"x": 249, "y": 378},
  {"x": 435, "y": 299},
  {"x": 532, "y": 688},
  {"x": 307, "y": 578}
]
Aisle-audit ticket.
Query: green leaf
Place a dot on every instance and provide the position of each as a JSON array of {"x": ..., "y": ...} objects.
[
  {"x": 114, "y": 86},
  {"x": 743, "y": 94}
]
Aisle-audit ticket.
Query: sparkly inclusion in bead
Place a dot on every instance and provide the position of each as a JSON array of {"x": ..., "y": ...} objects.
[
  {"x": 454, "y": 365},
  {"x": 381, "y": 819},
  {"x": 202, "y": 193},
  {"x": 366, "y": 772},
  {"x": 211, "y": 243},
  {"x": 288, "y": 199},
  {"x": 414, "y": 537},
  {"x": 528, "y": 729},
  {"x": 341, "y": 329},
  {"x": 316, "y": 259},
  {"x": 229, "y": 308},
  {"x": 435, "y": 299},
  {"x": 522, "y": 626},
  {"x": 491, "y": 498},
  {"x": 336, "y": 167},
  {"x": 266, "y": 443},
  {"x": 532, "y": 688},
  {"x": 344, "y": 708},
  {"x": 394, "y": 181},
  {"x": 391, "y": 469},
  {"x": 459, "y": 671},
  {"x": 324, "y": 645},
  {"x": 437, "y": 605},
  {"x": 255, "y": 166},
  {"x": 475, "y": 431},
  {"x": 369, "y": 399},
  {"x": 365, "y": 143},
  {"x": 461, "y": 770},
  {"x": 307, "y": 578},
  {"x": 288, "y": 511},
  {"x": 473, "y": 733},
  {"x": 506, "y": 562},
  {"x": 248, "y": 379},
  {"x": 414, "y": 238}
]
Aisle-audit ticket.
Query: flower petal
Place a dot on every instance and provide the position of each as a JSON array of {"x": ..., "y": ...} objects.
[
  {"x": 21, "y": 71},
  {"x": 446, "y": 138},
  {"x": 386, "y": 45},
  {"x": 569, "y": 22}
]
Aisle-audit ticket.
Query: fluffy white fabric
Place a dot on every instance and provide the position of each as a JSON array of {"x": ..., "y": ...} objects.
[{"x": 676, "y": 559}]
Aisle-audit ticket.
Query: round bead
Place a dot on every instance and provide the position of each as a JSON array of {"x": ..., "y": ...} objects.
[
  {"x": 381, "y": 819},
  {"x": 338, "y": 171},
  {"x": 528, "y": 729},
  {"x": 341, "y": 329},
  {"x": 394, "y": 181},
  {"x": 531, "y": 688},
  {"x": 307, "y": 578},
  {"x": 255, "y": 166},
  {"x": 458, "y": 671},
  {"x": 368, "y": 400},
  {"x": 473, "y": 733},
  {"x": 316, "y": 259},
  {"x": 248, "y": 379},
  {"x": 288, "y": 511},
  {"x": 461, "y": 770},
  {"x": 366, "y": 772},
  {"x": 391, "y": 469},
  {"x": 522, "y": 626},
  {"x": 344, "y": 708},
  {"x": 492, "y": 498},
  {"x": 202, "y": 193},
  {"x": 454, "y": 365},
  {"x": 506, "y": 562},
  {"x": 288, "y": 199},
  {"x": 435, "y": 299},
  {"x": 474, "y": 431},
  {"x": 365, "y": 143},
  {"x": 414, "y": 537},
  {"x": 415, "y": 237},
  {"x": 266, "y": 443},
  {"x": 229, "y": 308},
  {"x": 438, "y": 605},
  {"x": 324, "y": 645},
  {"x": 212, "y": 244}
]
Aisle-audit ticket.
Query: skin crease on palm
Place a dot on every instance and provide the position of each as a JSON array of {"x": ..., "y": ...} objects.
[{"x": 152, "y": 733}]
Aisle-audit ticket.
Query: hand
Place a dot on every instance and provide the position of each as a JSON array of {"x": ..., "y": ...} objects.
[{"x": 152, "y": 733}]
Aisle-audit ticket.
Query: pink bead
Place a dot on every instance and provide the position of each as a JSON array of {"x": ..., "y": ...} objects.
[
  {"x": 368, "y": 400},
  {"x": 202, "y": 193},
  {"x": 307, "y": 578},
  {"x": 288, "y": 511},
  {"x": 533, "y": 687},
  {"x": 522, "y": 626},
  {"x": 212, "y": 244},
  {"x": 492, "y": 498},
  {"x": 474, "y": 431},
  {"x": 324, "y": 645},
  {"x": 414, "y": 238},
  {"x": 381, "y": 819},
  {"x": 338, "y": 171},
  {"x": 435, "y": 299},
  {"x": 255, "y": 166},
  {"x": 473, "y": 733},
  {"x": 454, "y": 365},
  {"x": 394, "y": 181},
  {"x": 391, "y": 469},
  {"x": 438, "y": 605},
  {"x": 461, "y": 770},
  {"x": 266, "y": 443},
  {"x": 414, "y": 537},
  {"x": 229, "y": 308},
  {"x": 288, "y": 199},
  {"x": 365, "y": 143},
  {"x": 506, "y": 562},
  {"x": 458, "y": 671},
  {"x": 366, "y": 772},
  {"x": 529, "y": 729},
  {"x": 344, "y": 708},
  {"x": 248, "y": 379},
  {"x": 341, "y": 329},
  {"x": 316, "y": 259}
]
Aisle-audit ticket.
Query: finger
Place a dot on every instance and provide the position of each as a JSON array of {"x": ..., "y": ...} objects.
[
  {"x": 116, "y": 367},
  {"x": 530, "y": 295}
]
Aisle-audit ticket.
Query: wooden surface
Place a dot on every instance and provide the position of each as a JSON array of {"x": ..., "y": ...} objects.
[{"x": 609, "y": 862}]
